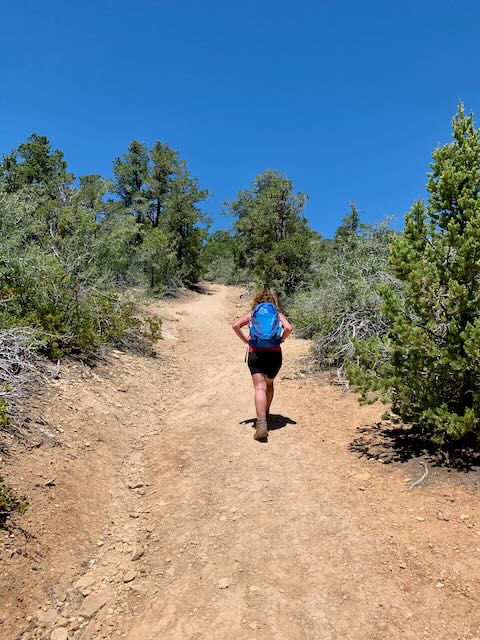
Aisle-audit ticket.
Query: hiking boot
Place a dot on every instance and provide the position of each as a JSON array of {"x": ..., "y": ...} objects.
[{"x": 261, "y": 431}]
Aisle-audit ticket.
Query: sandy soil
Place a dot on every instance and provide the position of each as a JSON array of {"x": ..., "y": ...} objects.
[{"x": 154, "y": 514}]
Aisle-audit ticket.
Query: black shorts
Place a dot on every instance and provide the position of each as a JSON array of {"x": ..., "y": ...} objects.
[{"x": 266, "y": 362}]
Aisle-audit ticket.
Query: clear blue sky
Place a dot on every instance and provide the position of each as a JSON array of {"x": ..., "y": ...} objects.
[{"x": 347, "y": 98}]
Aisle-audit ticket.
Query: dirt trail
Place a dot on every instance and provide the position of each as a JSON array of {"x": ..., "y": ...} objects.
[{"x": 196, "y": 531}]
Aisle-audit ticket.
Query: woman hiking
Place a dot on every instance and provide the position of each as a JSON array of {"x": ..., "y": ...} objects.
[{"x": 268, "y": 329}]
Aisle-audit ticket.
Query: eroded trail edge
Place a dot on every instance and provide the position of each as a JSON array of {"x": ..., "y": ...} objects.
[{"x": 167, "y": 520}]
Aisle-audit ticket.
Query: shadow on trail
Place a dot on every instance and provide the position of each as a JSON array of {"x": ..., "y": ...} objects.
[
  {"x": 390, "y": 443},
  {"x": 201, "y": 288},
  {"x": 277, "y": 421}
]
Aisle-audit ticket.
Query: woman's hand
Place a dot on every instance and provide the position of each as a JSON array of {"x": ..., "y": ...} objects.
[
  {"x": 237, "y": 327},
  {"x": 287, "y": 327}
]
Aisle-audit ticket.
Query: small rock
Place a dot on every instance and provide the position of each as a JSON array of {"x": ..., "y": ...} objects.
[
  {"x": 420, "y": 518},
  {"x": 84, "y": 582},
  {"x": 138, "y": 484},
  {"x": 362, "y": 476},
  {"x": 47, "y": 617},
  {"x": 59, "y": 634},
  {"x": 223, "y": 583},
  {"x": 94, "y": 602},
  {"x": 129, "y": 576},
  {"x": 253, "y": 625},
  {"x": 138, "y": 553},
  {"x": 440, "y": 585},
  {"x": 443, "y": 515},
  {"x": 74, "y": 624},
  {"x": 142, "y": 588}
]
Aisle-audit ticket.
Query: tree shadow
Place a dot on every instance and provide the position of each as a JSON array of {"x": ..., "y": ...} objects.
[
  {"x": 389, "y": 443},
  {"x": 277, "y": 421},
  {"x": 200, "y": 288}
]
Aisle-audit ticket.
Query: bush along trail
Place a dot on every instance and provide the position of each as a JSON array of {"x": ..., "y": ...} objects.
[{"x": 154, "y": 513}]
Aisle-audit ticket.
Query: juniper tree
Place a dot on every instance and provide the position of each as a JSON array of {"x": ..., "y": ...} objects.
[
  {"x": 34, "y": 163},
  {"x": 430, "y": 361}
]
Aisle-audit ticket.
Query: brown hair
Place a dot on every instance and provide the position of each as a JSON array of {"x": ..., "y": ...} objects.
[{"x": 265, "y": 295}]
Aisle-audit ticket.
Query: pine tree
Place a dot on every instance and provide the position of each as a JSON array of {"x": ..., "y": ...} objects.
[
  {"x": 130, "y": 176},
  {"x": 181, "y": 222},
  {"x": 430, "y": 362},
  {"x": 274, "y": 239},
  {"x": 165, "y": 165}
]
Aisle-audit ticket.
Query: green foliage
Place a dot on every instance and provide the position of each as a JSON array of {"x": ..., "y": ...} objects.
[
  {"x": 343, "y": 303},
  {"x": 430, "y": 360},
  {"x": 152, "y": 330},
  {"x": 64, "y": 249},
  {"x": 218, "y": 259},
  {"x": 156, "y": 188},
  {"x": 165, "y": 165},
  {"x": 92, "y": 191},
  {"x": 157, "y": 259},
  {"x": 33, "y": 163},
  {"x": 116, "y": 248},
  {"x": 48, "y": 279},
  {"x": 130, "y": 176},
  {"x": 181, "y": 223},
  {"x": 9, "y": 502},
  {"x": 274, "y": 239},
  {"x": 70, "y": 317},
  {"x": 4, "y": 417}
]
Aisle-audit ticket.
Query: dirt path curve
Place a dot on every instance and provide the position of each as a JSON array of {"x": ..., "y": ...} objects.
[{"x": 213, "y": 536}]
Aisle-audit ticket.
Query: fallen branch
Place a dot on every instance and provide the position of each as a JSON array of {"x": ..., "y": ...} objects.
[{"x": 425, "y": 474}]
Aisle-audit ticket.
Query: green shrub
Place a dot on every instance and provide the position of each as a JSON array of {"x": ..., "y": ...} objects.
[
  {"x": 9, "y": 502},
  {"x": 70, "y": 316},
  {"x": 344, "y": 303},
  {"x": 4, "y": 417},
  {"x": 152, "y": 329}
]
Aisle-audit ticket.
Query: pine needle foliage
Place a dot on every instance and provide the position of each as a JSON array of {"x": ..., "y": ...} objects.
[
  {"x": 273, "y": 237},
  {"x": 428, "y": 364}
]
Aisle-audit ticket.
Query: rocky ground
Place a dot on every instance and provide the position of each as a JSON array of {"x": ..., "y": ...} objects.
[{"x": 154, "y": 514}]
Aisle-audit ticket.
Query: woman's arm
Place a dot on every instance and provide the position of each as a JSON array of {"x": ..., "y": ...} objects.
[
  {"x": 287, "y": 327},
  {"x": 238, "y": 324}
]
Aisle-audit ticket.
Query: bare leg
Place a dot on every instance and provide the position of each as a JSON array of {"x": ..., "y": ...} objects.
[
  {"x": 270, "y": 393},
  {"x": 260, "y": 384}
]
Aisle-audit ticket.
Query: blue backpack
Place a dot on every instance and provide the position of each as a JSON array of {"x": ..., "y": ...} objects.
[{"x": 265, "y": 326}]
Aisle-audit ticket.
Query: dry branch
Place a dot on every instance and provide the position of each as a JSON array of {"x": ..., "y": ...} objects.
[{"x": 19, "y": 369}]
